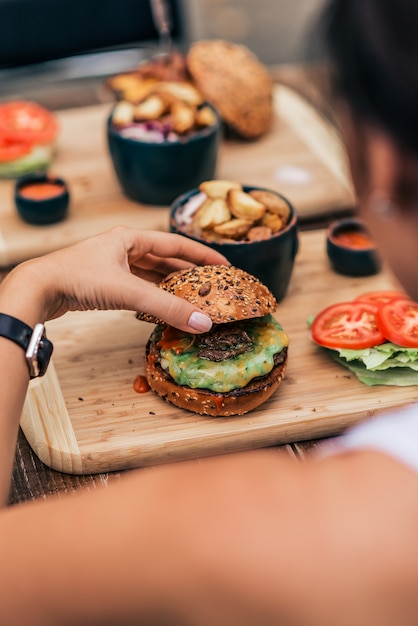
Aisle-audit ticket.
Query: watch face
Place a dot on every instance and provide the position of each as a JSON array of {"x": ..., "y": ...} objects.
[
  {"x": 39, "y": 352},
  {"x": 44, "y": 355}
]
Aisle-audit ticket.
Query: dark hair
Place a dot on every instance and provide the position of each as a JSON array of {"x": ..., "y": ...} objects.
[{"x": 373, "y": 47}]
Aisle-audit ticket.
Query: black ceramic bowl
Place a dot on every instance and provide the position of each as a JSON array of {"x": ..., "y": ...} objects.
[
  {"x": 270, "y": 260},
  {"x": 350, "y": 248},
  {"x": 35, "y": 206},
  {"x": 156, "y": 173}
]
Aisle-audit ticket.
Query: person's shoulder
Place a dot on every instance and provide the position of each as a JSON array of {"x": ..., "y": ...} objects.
[{"x": 394, "y": 432}]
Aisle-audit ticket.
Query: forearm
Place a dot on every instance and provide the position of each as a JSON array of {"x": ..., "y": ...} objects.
[
  {"x": 239, "y": 540},
  {"x": 115, "y": 270},
  {"x": 166, "y": 546},
  {"x": 20, "y": 297}
]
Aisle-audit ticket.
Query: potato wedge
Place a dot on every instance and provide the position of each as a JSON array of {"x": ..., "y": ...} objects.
[
  {"x": 186, "y": 92},
  {"x": 131, "y": 87},
  {"x": 235, "y": 228},
  {"x": 258, "y": 233},
  {"x": 182, "y": 117},
  {"x": 205, "y": 117},
  {"x": 149, "y": 109},
  {"x": 274, "y": 203},
  {"x": 123, "y": 113},
  {"x": 275, "y": 222},
  {"x": 212, "y": 213},
  {"x": 210, "y": 235},
  {"x": 244, "y": 206},
  {"x": 218, "y": 188}
]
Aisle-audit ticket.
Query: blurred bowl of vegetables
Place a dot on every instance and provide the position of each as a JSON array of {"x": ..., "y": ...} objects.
[
  {"x": 28, "y": 133},
  {"x": 165, "y": 144}
]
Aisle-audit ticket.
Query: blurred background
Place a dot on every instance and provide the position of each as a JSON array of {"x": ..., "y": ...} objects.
[
  {"x": 276, "y": 30},
  {"x": 58, "y": 51}
]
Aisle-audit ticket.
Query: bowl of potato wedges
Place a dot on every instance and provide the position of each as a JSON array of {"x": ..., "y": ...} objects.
[
  {"x": 163, "y": 137},
  {"x": 255, "y": 228}
]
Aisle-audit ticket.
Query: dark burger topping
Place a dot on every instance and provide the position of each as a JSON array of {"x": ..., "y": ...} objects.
[
  {"x": 280, "y": 357},
  {"x": 223, "y": 342}
]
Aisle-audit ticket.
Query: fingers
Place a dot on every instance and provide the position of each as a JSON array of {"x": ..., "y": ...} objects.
[
  {"x": 153, "y": 255},
  {"x": 171, "y": 246},
  {"x": 171, "y": 309},
  {"x": 198, "y": 322},
  {"x": 119, "y": 269},
  {"x": 154, "y": 269}
]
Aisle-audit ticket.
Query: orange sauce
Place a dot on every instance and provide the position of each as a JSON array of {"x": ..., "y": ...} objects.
[
  {"x": 41, "y": 191},
  {"x": 170, "y": 339},
  {"x": 219, "y": 403},
  {"x": 357, "y": 239},
  {"x": 141, "y": 384}
]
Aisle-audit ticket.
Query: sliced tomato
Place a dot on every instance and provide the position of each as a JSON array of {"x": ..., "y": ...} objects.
[
  {"x": 398, "y": 321},
  {"x": 13, "y": 150},
  {"x": 381, "y": 297},
  {"x": 347, "y": 325},
  {"x": 27, "y": 121}
]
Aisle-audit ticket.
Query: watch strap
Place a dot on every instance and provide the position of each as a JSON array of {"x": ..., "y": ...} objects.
[{"x": 37, "y": 347}]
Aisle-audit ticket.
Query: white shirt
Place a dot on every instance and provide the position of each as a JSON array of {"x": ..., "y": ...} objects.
[{"x": 395, "y": 433}]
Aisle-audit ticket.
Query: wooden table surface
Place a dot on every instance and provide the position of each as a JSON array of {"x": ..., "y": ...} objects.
[{"x": 31, "y": 478}]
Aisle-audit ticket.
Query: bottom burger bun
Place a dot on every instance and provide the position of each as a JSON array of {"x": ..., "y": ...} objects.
[{"x": 238, "y": 364}]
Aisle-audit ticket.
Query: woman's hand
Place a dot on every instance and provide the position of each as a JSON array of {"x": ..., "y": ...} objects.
[{"x": 118, "y": 269}]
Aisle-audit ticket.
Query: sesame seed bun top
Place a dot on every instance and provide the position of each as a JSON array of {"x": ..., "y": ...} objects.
[{"x": 225, "y": 293}]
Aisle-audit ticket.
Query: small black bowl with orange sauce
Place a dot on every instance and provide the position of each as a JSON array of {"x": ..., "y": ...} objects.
[
  {"x": 41, "y": 199},
  {"x": 351, "y": 249}
]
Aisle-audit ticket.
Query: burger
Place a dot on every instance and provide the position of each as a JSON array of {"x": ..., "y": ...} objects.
[{"x": 234, "y": 367}]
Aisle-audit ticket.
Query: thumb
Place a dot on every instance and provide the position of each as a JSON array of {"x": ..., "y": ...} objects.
[{"x": 176, "y": 311}]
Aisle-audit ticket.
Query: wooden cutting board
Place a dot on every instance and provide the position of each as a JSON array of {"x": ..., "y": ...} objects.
[
  {"x": 301, "y": 157},
  {"x": 85, "y": 417}
]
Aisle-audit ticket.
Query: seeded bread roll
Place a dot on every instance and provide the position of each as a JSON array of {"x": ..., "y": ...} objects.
[
  {"x": 225, "y": 293},
  {"x": 234, "y": 367},
  {"x": 232, "y": 78}
]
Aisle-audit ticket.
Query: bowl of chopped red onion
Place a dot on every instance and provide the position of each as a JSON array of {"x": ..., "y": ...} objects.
[{"x": 156, "y": 159}]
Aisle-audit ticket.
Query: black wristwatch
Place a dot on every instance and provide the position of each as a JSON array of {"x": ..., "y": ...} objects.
[{"x": 37, "y": 347}]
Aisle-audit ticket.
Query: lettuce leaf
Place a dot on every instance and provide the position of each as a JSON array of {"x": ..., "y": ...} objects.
[{"x": 387, "y": 364}]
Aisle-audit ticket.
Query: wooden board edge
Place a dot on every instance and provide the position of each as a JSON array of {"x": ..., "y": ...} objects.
[
  {"x": 47, "y": 426},
  {"x": 148, "y": 454}
]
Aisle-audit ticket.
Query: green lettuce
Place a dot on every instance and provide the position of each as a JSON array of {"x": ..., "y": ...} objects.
[
  {"x": 387, "y": 364},
  {"x": 38, "y": 160}
]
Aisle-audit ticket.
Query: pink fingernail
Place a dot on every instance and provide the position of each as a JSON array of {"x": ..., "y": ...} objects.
[{"x": 199, "y": 321}]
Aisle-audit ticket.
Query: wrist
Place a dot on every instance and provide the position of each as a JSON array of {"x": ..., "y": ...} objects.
[
  {"x": 32, "y": 341},
  {"x": 24, "y": 294}
]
